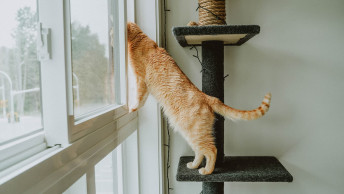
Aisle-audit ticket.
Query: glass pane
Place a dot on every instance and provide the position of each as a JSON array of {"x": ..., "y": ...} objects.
[
  {"x": 20, "y": 103},
  {"x": 106, "y": 174},
  {"x": 79, "y": 187},
  {"x": 93, "y": 83}
]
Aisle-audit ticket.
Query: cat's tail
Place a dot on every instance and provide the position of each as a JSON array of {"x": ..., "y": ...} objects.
[{"x": 236, "y": 114}]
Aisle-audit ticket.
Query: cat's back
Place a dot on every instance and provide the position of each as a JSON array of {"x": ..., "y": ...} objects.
[
  {"x": 166, "y": 80},
  {"x": 164, "y": 70}
]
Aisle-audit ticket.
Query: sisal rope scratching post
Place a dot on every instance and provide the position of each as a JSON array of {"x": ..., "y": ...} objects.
[{"x": 210, "y": 12}]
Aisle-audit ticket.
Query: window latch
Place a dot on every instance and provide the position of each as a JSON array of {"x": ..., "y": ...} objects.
[{"x": 43, "y": 43}]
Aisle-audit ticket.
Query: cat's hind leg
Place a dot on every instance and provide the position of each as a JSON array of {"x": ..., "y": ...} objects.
[
  {"x": 208, "y": 150},
  {"x": 196, "y": 126},
  {"x": 197, "y": 161},
  {"x": 202, "y": 141},
  {"x": 210, "y": 155}
]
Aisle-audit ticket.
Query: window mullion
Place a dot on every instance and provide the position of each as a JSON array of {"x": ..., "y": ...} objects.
[
  {"x": 116, "y": 52},
  {"x": 123, "y": 59},
  {"x": 91, "y": 181},
  {"x": 114, "y": 171},
  {"x": 120, "y": 175},
  {"x": 53, "y": 75},
  {"x": 68, "y": 62},
  {"x": 111, "y": 66}
]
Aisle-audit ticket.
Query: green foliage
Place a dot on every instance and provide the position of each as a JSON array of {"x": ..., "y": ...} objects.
[
  {"x": 20, "y": 62},
  {"x": 27, "y": 65},
  {"x": 90, "y": 64}
]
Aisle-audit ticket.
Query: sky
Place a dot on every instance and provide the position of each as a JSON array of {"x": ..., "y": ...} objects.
[
  {"x": 8, "y": 10},
  {"x": 94, "y": 14}
]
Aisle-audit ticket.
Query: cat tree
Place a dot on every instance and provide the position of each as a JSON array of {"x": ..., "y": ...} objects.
[{"x": 213, "y": 34}]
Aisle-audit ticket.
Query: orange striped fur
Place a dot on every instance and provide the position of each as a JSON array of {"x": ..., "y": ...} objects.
[{"x": 189, "y": 110}]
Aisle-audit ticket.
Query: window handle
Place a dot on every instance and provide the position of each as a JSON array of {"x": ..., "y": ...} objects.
[{"x": 43, "y": 43}]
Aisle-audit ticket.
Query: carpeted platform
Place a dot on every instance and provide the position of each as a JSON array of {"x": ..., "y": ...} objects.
[
  {"x": 238, "y": 169},
  {"x": 231, "y": 35}
]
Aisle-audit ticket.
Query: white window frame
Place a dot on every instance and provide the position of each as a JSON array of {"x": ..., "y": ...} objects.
[
  {"x": 71, "y": 156},
  {"x": 16, "y": 152},
  {"x": 67, "y": 129},
  {"x": 76, "y": 153},
  {"x": 79, "y": 127}
]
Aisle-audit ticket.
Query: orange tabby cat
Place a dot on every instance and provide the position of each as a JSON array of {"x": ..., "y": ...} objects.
[{"x": 190, "y": 111}]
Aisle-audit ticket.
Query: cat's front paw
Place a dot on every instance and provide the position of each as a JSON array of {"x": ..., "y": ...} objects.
[
  {"x": 132, "y": 110},
  {"x": 203, "y": 171},
  {"x": 190, "y": 165}
]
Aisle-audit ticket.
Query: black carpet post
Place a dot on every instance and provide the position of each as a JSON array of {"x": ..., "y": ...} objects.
[{"x": 213, "y": 85}]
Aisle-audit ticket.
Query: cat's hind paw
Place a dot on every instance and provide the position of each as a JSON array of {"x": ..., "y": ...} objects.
[
  {"x": 190, "y": 165},
  {"x": 203, "y": 171}
]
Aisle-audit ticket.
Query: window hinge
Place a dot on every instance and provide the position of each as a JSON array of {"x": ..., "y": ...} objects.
[{"x": 43, "y": 43}]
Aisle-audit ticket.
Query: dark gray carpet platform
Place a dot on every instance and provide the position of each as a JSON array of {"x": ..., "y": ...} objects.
[
  {"x": 238, "y": 169},
  {"x": 231, "y": 35}
]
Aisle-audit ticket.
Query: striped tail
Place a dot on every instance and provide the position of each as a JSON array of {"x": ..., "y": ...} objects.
[{"x": 236, "y": 114}]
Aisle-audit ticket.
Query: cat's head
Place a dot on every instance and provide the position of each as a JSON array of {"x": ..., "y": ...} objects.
[{"x": 133, "y": 30}]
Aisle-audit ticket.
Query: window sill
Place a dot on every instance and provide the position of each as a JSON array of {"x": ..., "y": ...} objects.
[
  {"x": 55, "y": 170},
  {"x": 13, "y": 155},
  {"x": 87, "y": 124}
]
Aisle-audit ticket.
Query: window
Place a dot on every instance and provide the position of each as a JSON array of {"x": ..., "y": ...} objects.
[
  {"x": 20, "y": 102},
  {"x": 77, "y": 90},
  {"x": 106, "y": 176},
  {"x": 92, "y": 57},
  {"x": 96, "y": 37},
  {"x": 21, "y": 126},
  {"x": 117, "y": 173}
]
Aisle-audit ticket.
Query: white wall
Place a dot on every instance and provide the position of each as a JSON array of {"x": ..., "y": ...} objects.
[{"x": 298, "y": 56}]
